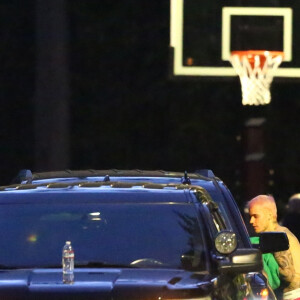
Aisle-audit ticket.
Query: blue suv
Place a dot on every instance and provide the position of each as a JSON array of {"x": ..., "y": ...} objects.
[{"x": 136, "y": 235}]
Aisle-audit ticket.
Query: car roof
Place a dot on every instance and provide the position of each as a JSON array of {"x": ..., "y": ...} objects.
[
  {"x": 103, "y": 194},
  {"x": 203, "y": 178},
  {"x": 27, "y": 175},
  {"x": 100, "y": 181},
  {"x": 160, "y": 184}
]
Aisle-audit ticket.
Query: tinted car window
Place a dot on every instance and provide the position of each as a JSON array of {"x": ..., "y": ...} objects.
[
  {"x": 232, "y": 222},
  {"x": 33, "y": 235}
]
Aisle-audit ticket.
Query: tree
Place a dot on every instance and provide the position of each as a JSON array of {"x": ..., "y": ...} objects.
[{"x": 52, "y": 86}]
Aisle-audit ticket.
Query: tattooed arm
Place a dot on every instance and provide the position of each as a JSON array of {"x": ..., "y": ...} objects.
[{"x": 286, "y": 265}]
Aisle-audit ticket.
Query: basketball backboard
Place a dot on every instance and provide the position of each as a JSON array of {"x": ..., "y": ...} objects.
[{"x": 204, "y": 32}]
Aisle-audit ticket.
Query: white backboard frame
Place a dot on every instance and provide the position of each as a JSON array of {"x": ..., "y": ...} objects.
[{"x": 176, "y": 40}]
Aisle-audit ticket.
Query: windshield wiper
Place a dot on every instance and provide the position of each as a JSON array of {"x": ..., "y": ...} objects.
[
  {"x": 4, "y": 267},
  {"x": 89, "y": 264},
  {"x": 85, "y": 264},
  {"x": 100, "y": 264}
]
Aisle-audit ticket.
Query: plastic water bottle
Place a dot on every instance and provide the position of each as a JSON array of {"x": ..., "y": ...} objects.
[{"x": 68, "y": 263}]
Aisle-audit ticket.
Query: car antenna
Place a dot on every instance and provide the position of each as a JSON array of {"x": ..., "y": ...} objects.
[
  {"x": 106, "y": 178},
  {"x": 185, "y": 179}
]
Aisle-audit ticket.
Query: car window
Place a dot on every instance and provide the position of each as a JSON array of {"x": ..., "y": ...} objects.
[
  {"x": 227, "y": 214},
  {"x": 157, "y": 235}
]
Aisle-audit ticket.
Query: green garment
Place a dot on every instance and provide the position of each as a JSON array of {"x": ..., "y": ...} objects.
[{"x": 270, "y": 266}]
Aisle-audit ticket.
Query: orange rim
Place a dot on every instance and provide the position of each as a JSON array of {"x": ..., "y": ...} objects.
[{"x": 263, "y": 53}]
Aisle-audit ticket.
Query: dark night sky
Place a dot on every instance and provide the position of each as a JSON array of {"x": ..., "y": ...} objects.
[{"x": 126, "y": 110}]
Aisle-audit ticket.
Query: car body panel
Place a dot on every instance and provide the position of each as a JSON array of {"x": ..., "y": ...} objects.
[
  {"x": 61, "y": 198},
  {"x": 103, "y": 283}
]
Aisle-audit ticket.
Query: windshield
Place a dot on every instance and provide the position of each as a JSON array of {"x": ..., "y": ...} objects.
[{"x": 127, "y": 234}]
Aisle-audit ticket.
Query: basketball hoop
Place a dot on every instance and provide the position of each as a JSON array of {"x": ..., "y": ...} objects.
[{"x": 256, "y": 71}]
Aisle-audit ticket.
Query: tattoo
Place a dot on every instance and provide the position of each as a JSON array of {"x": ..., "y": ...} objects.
[{"x": 286, "y": 265}]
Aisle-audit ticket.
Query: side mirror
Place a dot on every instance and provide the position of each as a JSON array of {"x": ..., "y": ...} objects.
[
  {"x": 242, "y": 261},
  {"x": 273, "y": 241}
]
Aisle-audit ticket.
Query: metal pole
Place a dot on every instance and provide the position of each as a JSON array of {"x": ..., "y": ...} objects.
[{"x": 254, "y": 164}]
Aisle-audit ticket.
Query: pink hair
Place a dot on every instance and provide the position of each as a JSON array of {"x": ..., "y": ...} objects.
[{"x": 265, "y": 201}]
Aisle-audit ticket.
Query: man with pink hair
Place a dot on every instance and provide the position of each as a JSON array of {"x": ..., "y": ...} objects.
[{"x": 263, "y": 217}]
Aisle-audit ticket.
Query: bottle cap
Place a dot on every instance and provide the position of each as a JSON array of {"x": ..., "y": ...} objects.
[{"x": 68, "y": 242}]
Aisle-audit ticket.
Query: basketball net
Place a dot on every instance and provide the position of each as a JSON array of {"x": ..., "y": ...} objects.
[{"x": 256, "y": 71}]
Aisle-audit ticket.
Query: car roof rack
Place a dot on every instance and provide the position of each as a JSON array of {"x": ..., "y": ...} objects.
[
  {"x": 24, "y": 176},
  {"x": 206, "y": 173}
]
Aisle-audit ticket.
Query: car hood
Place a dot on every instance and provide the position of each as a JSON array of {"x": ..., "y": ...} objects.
[{"x": 104, "y": 284}]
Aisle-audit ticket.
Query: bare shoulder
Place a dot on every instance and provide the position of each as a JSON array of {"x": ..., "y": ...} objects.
[
  {"x": 282, "y": 228},
  {"x": 289, "y": 234}
]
